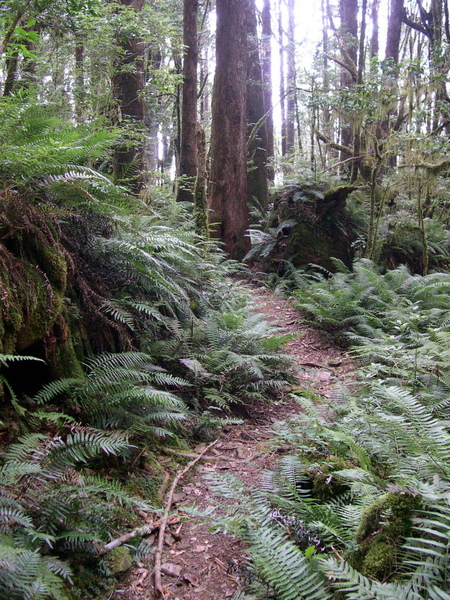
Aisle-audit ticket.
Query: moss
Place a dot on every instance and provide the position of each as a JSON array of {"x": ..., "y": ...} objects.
[
  {"x": 316, "y": 226},
  {"x": 32, "y": 285},
  {"x": 383, "y": 528},
  {"x": 325, "y": 485},
  {"x": 60, "y": 353},
  {"x": 119, "y": 560}
]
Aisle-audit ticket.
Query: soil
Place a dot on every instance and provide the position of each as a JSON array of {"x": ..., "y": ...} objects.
[{"x": 198, "y": 563}]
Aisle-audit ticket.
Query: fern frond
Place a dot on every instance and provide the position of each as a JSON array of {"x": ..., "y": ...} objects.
[{"x": 285, "y": 568}]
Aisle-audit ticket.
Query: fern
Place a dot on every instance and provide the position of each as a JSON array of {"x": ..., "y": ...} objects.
[{"x": 285, "y": 568}]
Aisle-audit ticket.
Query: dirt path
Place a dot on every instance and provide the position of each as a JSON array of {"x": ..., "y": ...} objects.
[{"x": 201, "y": 565}]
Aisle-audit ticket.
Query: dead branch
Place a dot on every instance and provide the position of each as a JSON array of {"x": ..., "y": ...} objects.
[
  {"x": 144, "y": 530},
  {"x": 162, "y": 529}
]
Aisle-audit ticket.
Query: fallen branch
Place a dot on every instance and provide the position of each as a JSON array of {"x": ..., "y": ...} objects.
[
  {"x": 144, "y": 530},
  {"x": 162, "y": 528}
]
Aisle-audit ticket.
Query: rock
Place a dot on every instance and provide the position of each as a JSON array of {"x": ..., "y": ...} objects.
[
  {"x": 171, "y": 570},
  {"x": 119, "y": 560}
]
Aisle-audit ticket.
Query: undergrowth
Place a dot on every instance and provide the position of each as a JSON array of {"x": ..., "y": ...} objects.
[
  {"x": 132, "y": 325},
  {"x": 360, "y": 509}
]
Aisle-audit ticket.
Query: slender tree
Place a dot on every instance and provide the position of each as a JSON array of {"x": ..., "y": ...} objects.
[
  {"x": 257, "y": 179},
  {"x": 396, "y": 15},
  {"x": 375, "y": 38},
  {"x": 188, "y": 145},
  {"x": 348, "y": 41},
  {"x": 128, "y": 86},
  {"x": 291, "y": 99},
  {"x": 228, "y": 194},
  {"x": 281, "y": 41},
  {"x": 266, "y": 63}
]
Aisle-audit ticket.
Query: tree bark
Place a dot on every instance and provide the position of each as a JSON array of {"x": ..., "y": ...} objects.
[
  {"x": 281, "y": 37},
  {"x": 12, "y": 64},
  {"x": 394, "y": 30},
  {"x": 79, "y": 93},
  {"x": 375, "y": 38},
  {"x": 257, "y": 180},
  {"x": 188, "y": 144},
  {"x": 128, "y": 87},
  {"x": 228, "y": 193},
  {"x": 266, "y": 55},
  {"x": 348, "y": 10},
  {"x": 291, "y": 112}
]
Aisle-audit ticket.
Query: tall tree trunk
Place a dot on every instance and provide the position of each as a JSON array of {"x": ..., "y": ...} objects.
[
  {"x": 188, "y": 145},
  {"x": 326, "y": 124},
  {"x": 281, "y": 37},
  {"x": 12, "y": 65},
  {"x": 154, "y": 62},
  {"x": 348, "y": 10},
  {"x": 393, "y": 37},
  {"x": 257, "y": 181},
  {"x": 228, "y": 198},
  {"x": 128, "y": 86},
  {"x": 266, "y": 55},
  {"x": 375, "y": 38},
  {"x": 396, "y": 13},
  {"x": 358, "y": 138},
  {"x": 291, "y": 112},
  {"x": 79, "y": 93}
]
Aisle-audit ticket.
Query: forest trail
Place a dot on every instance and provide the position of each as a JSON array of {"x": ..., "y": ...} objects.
[{"x": 196, "y": 563}]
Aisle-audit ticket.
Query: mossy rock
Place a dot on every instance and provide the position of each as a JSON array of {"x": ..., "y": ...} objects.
[
  {"x": 384, "y": 527},
  {"x": 33, "y": 278},
  {"x": 119, "y": 560}
]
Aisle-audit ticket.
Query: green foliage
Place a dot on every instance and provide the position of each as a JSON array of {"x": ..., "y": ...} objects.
[
  {"x": 134, "y": 404},
  {"x": 228, "y": 358},
  {"x": 367, "y": 491},
  {"x": 53, "y": 509},
  {"x": 92, "y": 277},
  {"x": 364, "y": 304}
]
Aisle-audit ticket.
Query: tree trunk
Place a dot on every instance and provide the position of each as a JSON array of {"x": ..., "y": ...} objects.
[
  {"x": 12, "y": 64},
  {"x": 200, "y": 193},
  {"x": 257, "y": 181},
  {"x": 375, "y": 38},
  {"x": 394, "y": 30},
  {"x": 267, "y": 78},
  {"x": 79, "y": 93},
  {"x": 281, "y": 37},
  {"x": 154, "y": 62},
  {"x": 291, "y": 113},
  {"x": 348, "y": 10},
  {"x": 128, "y": 86},
  {"x": 228, "y": 196},
  {"x": 188, "y": 145}
]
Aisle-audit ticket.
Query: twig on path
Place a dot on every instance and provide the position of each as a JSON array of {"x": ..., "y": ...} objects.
[
  {"x": 144, "y": 530},
  {"x": 162, "y": 528}
]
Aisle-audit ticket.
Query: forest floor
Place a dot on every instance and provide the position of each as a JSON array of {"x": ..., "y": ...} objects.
[{"x": 197, "y": 563}]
